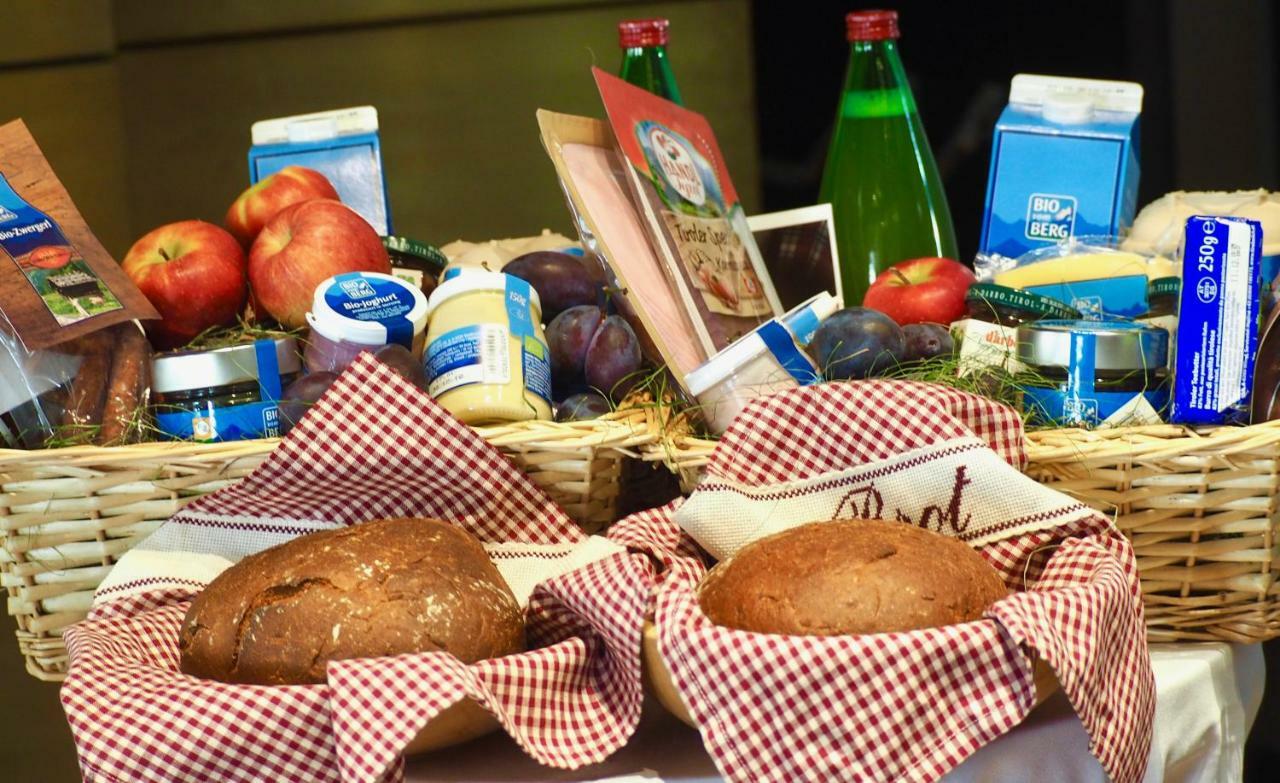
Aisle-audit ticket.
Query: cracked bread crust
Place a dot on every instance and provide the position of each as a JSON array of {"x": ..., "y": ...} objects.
[
  {"x": 386, "y": 587},
  {"x": 850, "y": 577}
]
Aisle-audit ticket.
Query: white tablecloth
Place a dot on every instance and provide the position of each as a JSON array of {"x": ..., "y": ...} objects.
[{"x": 1207, "y": 697}]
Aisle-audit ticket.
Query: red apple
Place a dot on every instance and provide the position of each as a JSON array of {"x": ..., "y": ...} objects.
[
  {"x": 922, "y": 290},
  {"x": 304, "y": 245},
  {"x": 264, "y": 199},
  {"x": 193, "y": 272}
]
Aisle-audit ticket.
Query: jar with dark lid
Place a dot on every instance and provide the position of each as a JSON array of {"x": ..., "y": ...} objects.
[
  {"x": 1162, "y": 296},
  {"x": 998, "y": 304},
  {"x": 1086, "y": 372},
  {"x": 416, "y": 262},
  {"x": 224, "y": 394}
]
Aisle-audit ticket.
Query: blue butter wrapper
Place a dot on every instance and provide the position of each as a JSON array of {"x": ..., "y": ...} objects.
[{"x": 1217, "y": 320}]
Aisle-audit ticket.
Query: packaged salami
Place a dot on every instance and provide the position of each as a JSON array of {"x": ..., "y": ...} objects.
[
  {"x": 680, "y": 185},
  {"x": 74, "y": 364}
]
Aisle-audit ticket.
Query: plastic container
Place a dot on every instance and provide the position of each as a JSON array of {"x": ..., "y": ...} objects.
[
  {"x": 1092, "y": 373},
  {"x": 762, "y": 362},
  {"x": 363, "y": 311},
  {"x": 487, "y": 360},
  {"x": 225, "y": 394}
]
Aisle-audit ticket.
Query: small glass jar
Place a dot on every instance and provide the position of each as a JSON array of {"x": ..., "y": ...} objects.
[
  {"x": 486, "y": 359},
  {"x": 1162, "y": 303},
  {"x": 415, "y": 262},
  {"x": 362, "y": 311},
  {"x": 987, "y": 335},
  {"x": 224, "y": 394},
  {"x": 996, "y": 304},
  {"x": 1087, "y": 373}
]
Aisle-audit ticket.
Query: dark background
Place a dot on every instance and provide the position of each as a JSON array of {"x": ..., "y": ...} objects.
[
  {"x": 143, "y": 107},
  {"x": 1208, "y": 69}
]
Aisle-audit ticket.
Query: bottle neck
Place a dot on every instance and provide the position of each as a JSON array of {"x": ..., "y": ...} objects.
[
  {"x": 875, "y": 83},
  {"x": 648, "y": 67}
]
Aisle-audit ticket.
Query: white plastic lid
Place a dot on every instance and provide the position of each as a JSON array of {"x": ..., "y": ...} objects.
[
  {"x": 806, "y": 317},
  {"x": 1068, "y": 108},
  {"x": 469, "y": 281},
  {"x": 1107, "y": 95},
  {"x": 316, "y": 126},
  {"x": 368, "y": 308}
]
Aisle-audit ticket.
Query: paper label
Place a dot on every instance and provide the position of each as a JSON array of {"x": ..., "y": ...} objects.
[
  {"x": 1217, "y": 327},
  {"x": 63, "y": 280},
  {"x": 984, "y": 344},
  {"x": 717, "y": 264},
  {"x": 469, "y": 355}
]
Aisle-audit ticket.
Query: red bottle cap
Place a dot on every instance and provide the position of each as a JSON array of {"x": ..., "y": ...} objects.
[
  {"x": 871, "y": 25},
  {"x": 635, "y": 33}
]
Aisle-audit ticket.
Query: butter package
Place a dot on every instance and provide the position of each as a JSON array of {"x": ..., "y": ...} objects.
[
  {"x": 342, "y": 144},
  {"x": 1064, "y": 163},
  {"x": 1217, "y": 320}
]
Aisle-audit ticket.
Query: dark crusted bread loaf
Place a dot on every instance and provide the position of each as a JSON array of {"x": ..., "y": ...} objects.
[
  {"x": 386, "y": 587},
  {"x": 850, "y": 577}
]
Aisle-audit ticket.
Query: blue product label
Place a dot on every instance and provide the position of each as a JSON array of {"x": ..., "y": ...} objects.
[
  {"x": 1268, "y": 271},
  {"x": 1049, "y": 182},
  {"x": 534, "y": 356},
  {"x": 211, "y": 424},
  {"x": 363, "y": 298},
  {"x": 783, "y": 347},
  {"x": 1065, "y": 406},
  {"x": 63, "y": 280},
  {"x": 1051, "y": 217},
  {"x": 352, "y": 163},
  {"x": 537, "y": 368},
  {"x": 1097, "y": 299},
  {"x": 802, "y": 323},
  {"x": 1217, "y": 320}
]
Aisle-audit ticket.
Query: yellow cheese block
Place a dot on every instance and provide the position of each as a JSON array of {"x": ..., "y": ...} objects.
[{"x": 1086, "y": 266}]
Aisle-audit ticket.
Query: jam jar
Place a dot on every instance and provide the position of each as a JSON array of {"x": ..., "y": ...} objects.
[
  {"x": 1162, "y": 304},
  {"x": 987, "y": 336},
  {"x": 1088, "y": 373},
  {"x": 224, "y": 394}
]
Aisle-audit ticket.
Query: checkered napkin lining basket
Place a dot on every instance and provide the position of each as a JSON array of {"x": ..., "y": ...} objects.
[
  {"x": 905, "y": 706},
  {"x": 67, "y": 515},
  {"x": 571, "y": 700},
  {"x": 1200, "y": 507}
]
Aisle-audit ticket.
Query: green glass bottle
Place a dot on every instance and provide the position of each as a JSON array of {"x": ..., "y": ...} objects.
[
  {"x": 644, "y": 57},
  {"x": 880, "y": 175}
]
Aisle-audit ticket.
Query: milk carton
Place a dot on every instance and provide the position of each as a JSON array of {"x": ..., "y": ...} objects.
[
  {"x": 342, "y": 144},
  {"x": 1064, "y": 163}
]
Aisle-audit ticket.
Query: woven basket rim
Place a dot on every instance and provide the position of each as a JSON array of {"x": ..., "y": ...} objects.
[{"x": 625, "y": 427}]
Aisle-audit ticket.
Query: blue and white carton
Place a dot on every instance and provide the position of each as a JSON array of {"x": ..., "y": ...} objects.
[
  {"x": 1217, "y": 337},
  {"x": 1064, "y": 163},
  {"x": 342, "y": 144}
]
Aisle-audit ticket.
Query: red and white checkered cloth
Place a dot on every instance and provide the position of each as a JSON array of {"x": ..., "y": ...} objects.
[
  {"x": 900, "y": 706},
  {"x": 373, "y": 447}
]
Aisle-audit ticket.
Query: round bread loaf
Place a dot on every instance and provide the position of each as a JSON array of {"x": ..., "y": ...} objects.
[
  {"x": 850, "y": 577},
  {"x": 386, "y": 587}
]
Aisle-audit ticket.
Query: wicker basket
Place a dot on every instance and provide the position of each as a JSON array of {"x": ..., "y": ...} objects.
[
  {"x": 67, "y": 515},
  {"x": 1199, "y": 507}
]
